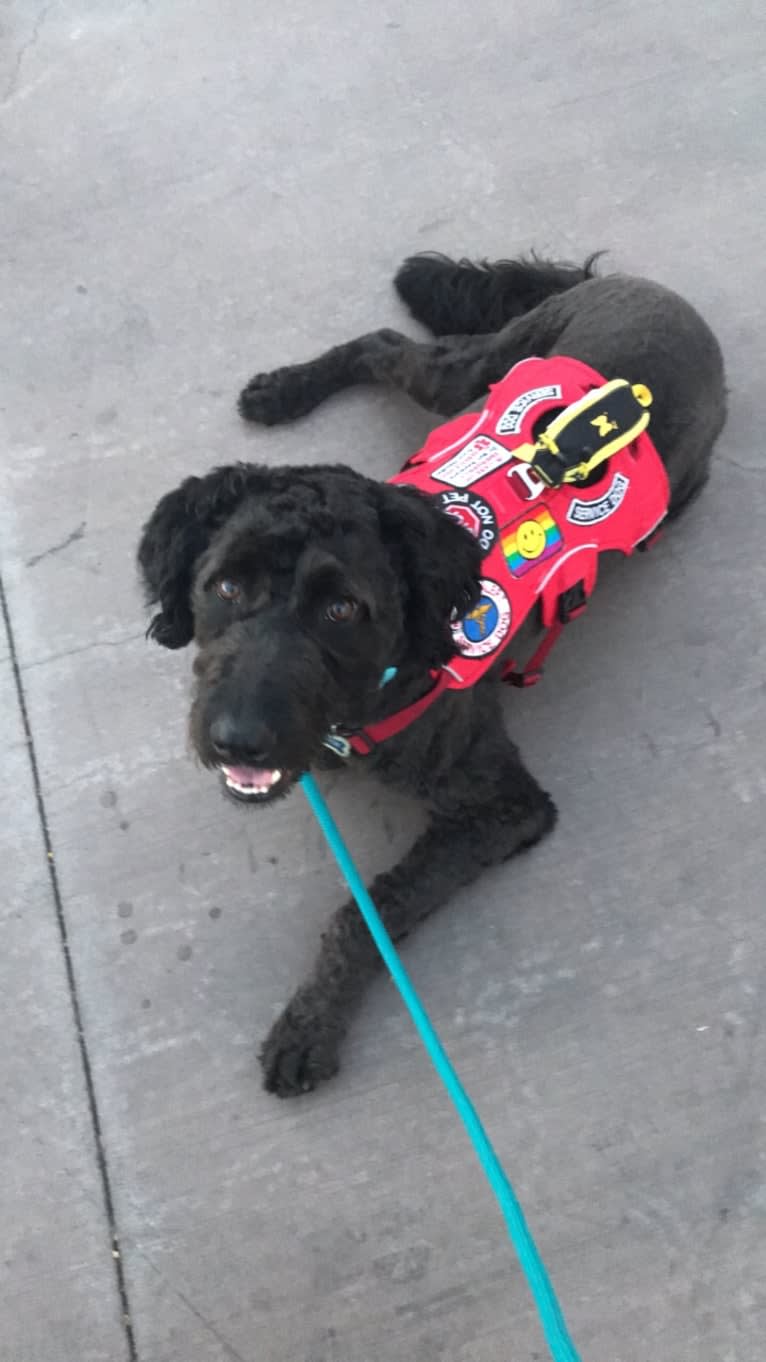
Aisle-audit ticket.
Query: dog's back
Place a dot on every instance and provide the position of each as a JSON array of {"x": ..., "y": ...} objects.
[{"x": 621, "y": 325}]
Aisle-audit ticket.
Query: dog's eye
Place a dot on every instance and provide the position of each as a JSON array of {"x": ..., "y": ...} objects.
[
  {"x": 342, "y": 611},
  {"x": 228, "y": 589}
]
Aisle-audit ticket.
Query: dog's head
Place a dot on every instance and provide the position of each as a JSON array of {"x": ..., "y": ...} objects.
[{"x": 300, "y": 587}]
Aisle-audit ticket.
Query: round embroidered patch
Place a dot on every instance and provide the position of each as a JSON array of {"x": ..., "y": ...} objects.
[
  {"x": 486, "y": 626},
  {"x": 474, "y": 513}
]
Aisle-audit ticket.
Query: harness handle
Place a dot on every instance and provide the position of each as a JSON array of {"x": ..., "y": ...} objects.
[{"x": 588, "y": 432}]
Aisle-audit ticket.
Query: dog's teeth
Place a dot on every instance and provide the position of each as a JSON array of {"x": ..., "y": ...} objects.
[
  {"x": 247, "y": 789},
  {"x": 273, "y": 778}
]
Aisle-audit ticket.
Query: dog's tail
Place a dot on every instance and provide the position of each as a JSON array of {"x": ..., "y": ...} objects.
[{"x": 460, "y": 298}]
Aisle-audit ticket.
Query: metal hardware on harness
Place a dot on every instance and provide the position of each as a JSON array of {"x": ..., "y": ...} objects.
[
  {"x": 337, "y": 742},
  {"x": 588, "y": 432},
  {"x": 572, "y": 602}
]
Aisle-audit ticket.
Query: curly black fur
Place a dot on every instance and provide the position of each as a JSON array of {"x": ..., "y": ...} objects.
[
  {"x": 470, "y": 298},
  {"x": 261, "y": 567}
]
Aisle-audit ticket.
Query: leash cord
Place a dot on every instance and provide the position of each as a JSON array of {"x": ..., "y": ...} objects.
[{"x": 554, "y": 1327}]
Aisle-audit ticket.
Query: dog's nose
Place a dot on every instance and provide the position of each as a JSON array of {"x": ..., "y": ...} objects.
[{"x": 246, "y": 740}]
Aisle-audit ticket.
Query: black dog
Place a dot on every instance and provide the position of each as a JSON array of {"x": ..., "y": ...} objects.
[{"x": 301, "y": 586}]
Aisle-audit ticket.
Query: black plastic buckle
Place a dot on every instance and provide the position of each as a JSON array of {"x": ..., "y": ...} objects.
[
  {"x": 523, "y": 679},
  {"x": 550, "y": 467},
  {"x": 651, "y": 539},
  {"x": 572, "y": 602}
]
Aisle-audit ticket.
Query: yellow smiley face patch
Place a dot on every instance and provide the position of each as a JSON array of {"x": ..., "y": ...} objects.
[{"x": 530, "y": 541}]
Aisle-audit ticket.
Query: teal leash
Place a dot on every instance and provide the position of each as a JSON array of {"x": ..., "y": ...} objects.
[{"x": 560, "y": 1344}]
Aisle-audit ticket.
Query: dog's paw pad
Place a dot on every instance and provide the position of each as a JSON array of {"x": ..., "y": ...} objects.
[
  {"x": 273, "y": 397},
  {"x": 295, "y": 1056}
]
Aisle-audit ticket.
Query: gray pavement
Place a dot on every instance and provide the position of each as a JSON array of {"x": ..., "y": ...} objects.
[{"x": 194, "y": 192}]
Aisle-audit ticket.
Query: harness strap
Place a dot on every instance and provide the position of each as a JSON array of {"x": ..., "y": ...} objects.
[
  {"x": 571, "y": 603},
  {"x": 530, "y": 674},
  {"x": 368, "y": 738}
]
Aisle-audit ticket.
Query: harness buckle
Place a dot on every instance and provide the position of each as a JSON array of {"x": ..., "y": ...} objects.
[
  {"x": 336, "y": 742},
  {"x": 572, "y": 602},
  {"x": 651, "y": 539},
  {"x": 529, "y": 677}
]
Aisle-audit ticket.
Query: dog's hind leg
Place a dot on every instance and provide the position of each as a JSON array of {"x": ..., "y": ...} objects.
[
  {"x": 444, "y": 376},
  {"x": 496, "y": 810},
  {"x": 463, "y": 297}
]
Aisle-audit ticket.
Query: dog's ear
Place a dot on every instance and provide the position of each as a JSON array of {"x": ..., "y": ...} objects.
[
  {"x": 174, "y": 538},
  {"x": 439, "y": 562}
]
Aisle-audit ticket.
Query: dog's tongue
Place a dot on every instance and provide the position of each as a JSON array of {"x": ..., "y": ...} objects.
[{"x": 249, "y": 775}]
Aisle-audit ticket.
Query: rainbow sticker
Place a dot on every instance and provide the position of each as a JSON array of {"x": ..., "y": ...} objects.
[{"x": 531, "y": 540}]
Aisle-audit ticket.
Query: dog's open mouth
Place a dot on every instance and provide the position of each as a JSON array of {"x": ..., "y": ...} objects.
[{"x": 253, "y": 784}]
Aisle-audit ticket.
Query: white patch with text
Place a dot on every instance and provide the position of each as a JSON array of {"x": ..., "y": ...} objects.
[
  {"x": 592, "y": 512},
  {"x": 511, "y": 420},
  {"x": 478, "y": 458}
]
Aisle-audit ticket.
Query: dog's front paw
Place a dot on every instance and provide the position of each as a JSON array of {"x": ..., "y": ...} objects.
[
  {"x": 300, "y": 1051},
  {"x": 278, "y": 396}
]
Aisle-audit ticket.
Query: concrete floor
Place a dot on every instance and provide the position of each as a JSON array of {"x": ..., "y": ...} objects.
[{"x": 194, "y": 192}]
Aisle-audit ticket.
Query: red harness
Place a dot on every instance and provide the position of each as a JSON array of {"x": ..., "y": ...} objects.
[{"x": 541, "y": 543}]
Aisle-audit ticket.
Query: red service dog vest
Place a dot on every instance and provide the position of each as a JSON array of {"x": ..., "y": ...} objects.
[
  {"x": 523, "y": 497},
  {"x": 541, "y": 543}
]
